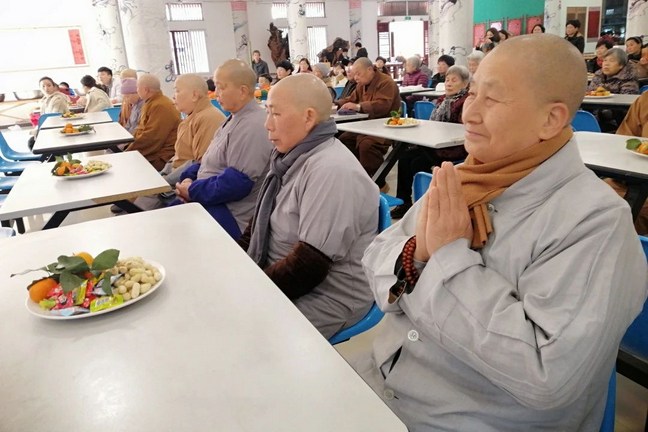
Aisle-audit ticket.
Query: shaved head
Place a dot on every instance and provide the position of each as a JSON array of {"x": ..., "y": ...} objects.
[
  {"x": 238, "y": 73},
  {"x": 552, "y": 67},
  {"x": 128, "y": 73},
  {"x": 149, "y": 81},
  {"x": 306, "y": 91},
  {"x": 193, "y": 82},
  {"x": 362, "y": 62}
]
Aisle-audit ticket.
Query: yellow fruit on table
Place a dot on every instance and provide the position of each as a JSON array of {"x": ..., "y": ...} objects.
[
  {"x": 86, "y": 257},
  {"x": 38, "y": 290}
]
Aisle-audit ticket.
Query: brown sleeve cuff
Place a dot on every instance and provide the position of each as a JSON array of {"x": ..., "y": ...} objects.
[
  {"x": 301, "y": 271},
  {"x": 244, "y": 240}
]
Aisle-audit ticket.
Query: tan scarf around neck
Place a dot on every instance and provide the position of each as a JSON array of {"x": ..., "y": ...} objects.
[{"x": 483, "y": 182}]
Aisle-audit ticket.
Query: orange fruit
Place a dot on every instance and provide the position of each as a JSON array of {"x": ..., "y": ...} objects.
[
  {"x": 86, "y": 257},
  {"x": 39, "y": 289}
]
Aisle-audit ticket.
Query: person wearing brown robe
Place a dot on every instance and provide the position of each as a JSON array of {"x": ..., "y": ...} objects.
[{"x": 376, "y": 94}]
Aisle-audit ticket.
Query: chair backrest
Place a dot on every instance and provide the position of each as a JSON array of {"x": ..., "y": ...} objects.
[
  {"x": 217, "y": 105},
  {"x": 421, "y": 184},
  {"x": 384, "y": 217},
  {"x": 6, "y": 232},
  {"x": 113, "y": 112},
  {"x": 338, "y": 92},
  {"x": 643, "y": 89},
  {"x": 585, "y": 122},
  {"x": 403, "y": 109},
  {"x": 42, "y": 118},
  {"x": 610, "y": 405},
  {"x": 635, "y": 340},
  {"x": 423, "y": 110}
]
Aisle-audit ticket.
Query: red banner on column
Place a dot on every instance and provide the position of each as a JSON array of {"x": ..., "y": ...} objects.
[
  {"x": 239, "y": 6},
  {"x": 77, "y": 47},
  {"x": 354, "y": 4}
]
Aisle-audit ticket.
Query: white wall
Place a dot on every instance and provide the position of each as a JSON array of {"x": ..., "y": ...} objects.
[{"x": 369, "y": 30}]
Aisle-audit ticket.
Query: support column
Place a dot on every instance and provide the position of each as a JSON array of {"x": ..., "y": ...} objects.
[
  {"x": 434, "y": 11},
  {"x": 241, "y": 30},
  {"x": 111, "y": 51},
  {"x": 355, "y": 22},
  {"x": 553, "y": 17},
  {"x": 297, "y": 30},
  {"x": 455, "y": 29},
  {"x": 146, "y": 37},
  {"x": 637, "y": 21}
]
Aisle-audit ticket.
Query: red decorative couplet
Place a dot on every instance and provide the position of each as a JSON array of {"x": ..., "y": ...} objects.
[
  {"x": 77, "y": 46},
  {"x": 354, "y": 4},
  {"x": 514, "y": 26},
  {"x": 239, "y": 6}
]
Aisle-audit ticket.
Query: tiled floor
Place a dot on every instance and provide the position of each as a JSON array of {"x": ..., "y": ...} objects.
[{"x": 632, "y": 399}]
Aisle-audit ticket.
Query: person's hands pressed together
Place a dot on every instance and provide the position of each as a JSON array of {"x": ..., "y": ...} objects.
[
  {"x": 182, "y": 189},
  {"x": 351, "y": 106},
  {"x": 444, "y": 215}
]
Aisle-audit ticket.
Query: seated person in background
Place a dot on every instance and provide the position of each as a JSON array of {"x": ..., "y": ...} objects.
[
  {"x": 95, "y": 99},
  {"x": 156, "y": 131},
  {"x": 260, "y": 67},
  {"x": 322, "y": 71},
  {"x": 211, "y": 88},
  {"x": 615, "y": 75},
  {"x": 350, "y": 85},
  {"x": 380, "y": 65},
  {"x": 376, "y": 94},
  {"x": 633, "y": 48},
  {"x": 64, "y": 88},
  {"x": 339, "y": 72},
  {"x": 443, "y": 63},
  {"x": 602, "y": 47},
  {"x": 112, "y": 84},
  {"x": 487, "y": 47},
  {"x": 521, "y": 269},
  {"x": 641, "y": 65},
  {"x": 304, "y": 66},
  {"x": 416, "y": 158},
  {"x": 414, "y": 76},
  {"x": 265, "y": 81},
  {"x": 131, "y": 107},
  {"x": 573, "y": 34},
  {"x": 306, "y": 235},
  {"x": 635, "y": 123},
  {"x": 228, "y": 178},
  {"x": 53, "y": 100},
  {"x": 474, "y": 59},
  {"x": 284, "y": 69}
]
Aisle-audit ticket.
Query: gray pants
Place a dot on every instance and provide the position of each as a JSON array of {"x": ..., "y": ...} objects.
[{"x": 172, "y": 176}]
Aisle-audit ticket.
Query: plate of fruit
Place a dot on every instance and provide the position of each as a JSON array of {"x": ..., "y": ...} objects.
[
  {"x": 82, "y": 286},
  {"x": 70, "y": 130},
  {"x": 72, "y": 169},
  {"x": 396, "y": 121},
  {"x": 599, "y": 93},
  {"x": 637, "y": 146},
  {"x": 71, "y": 115}
]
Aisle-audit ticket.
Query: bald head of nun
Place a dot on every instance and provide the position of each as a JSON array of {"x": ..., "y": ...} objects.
[
  {"x": 235, "y": 83},
  {"x": 189, "y": 90},
  {"x": 148, "y": 86},
  {"x": 517, "y": 101},
  {"x": 296, "y": 105}
]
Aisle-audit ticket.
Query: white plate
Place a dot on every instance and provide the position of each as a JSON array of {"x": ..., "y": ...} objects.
[
  {"x": 35, "y": 309},
  {"x": 76, "y": 133},
  {"x": 637, "y": 153},
  {"x": 82, "y": 176},
  {"x": 598, "y": 97},
  {"x": 75, "y": 117},
  {"x": 407, "y": 125}
]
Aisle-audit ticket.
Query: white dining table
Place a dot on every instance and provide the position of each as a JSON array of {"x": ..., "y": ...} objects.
[
  {"x": 37, "y": 191},
  {"x": 84, "y": 118},
  {"x": 431, "y": 94},
  {"x": 614, "y": 101},
  {"x": 349, "y": 117},
  {"x": 408, "y": 90},
  {"x": 606, "y": 155},
  {"x": 217, "y": 347},
  {"x": 105, "y": 136},
  {"x": 427, "y": 133}
]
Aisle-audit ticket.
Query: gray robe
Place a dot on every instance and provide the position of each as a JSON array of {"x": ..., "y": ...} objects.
[{"x": 523, "y": 334}]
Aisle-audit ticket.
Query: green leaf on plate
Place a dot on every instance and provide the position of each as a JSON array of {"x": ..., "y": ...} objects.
[
  {"x": 105, "y": 285},
  {"x": 633, "y": 143},
  {"x": 105, "y": 260},
  {"x": 73, "y": 264},
  {"x": 70, "y": 281}
]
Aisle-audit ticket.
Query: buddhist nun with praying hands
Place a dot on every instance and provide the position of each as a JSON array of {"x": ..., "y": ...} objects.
[
  {"x": 509, "y": 285},
  {"x": 317, "y": 210}
]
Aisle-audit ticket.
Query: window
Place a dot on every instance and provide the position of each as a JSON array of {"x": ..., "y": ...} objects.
[
  {"x": 190, "y": 51},
  {"x": 403, "y": 8},
  {"x": 313, "y": 10},
  {"x": 316, "y": 42},
  {"x": 184, "y": 12}
]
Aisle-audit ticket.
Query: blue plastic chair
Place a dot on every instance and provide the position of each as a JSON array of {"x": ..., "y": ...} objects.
[
  {"x": 338, "y": 92},
  {"x": 42, "y": 118},
  {"x": 635, "y": 340},
  {"x": 607, "y": 425},
  {"x": 643, "y": 89},
  {"x": 217, "y": 105},
  {"x": 423, "y": 110},
  {"x": 392, "y": 201},
  {"x": 585, "y": 122},
  {"x": 374, "y": 315},
  {"x": 10, "y": 154},
  {"x": 14, "y": 167},
  {"x": 6, "y": 183},
  {"x": 421, "y": 184},
  {"x": 113, "y": 113},
  {"x": 403, "y": 109}
]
